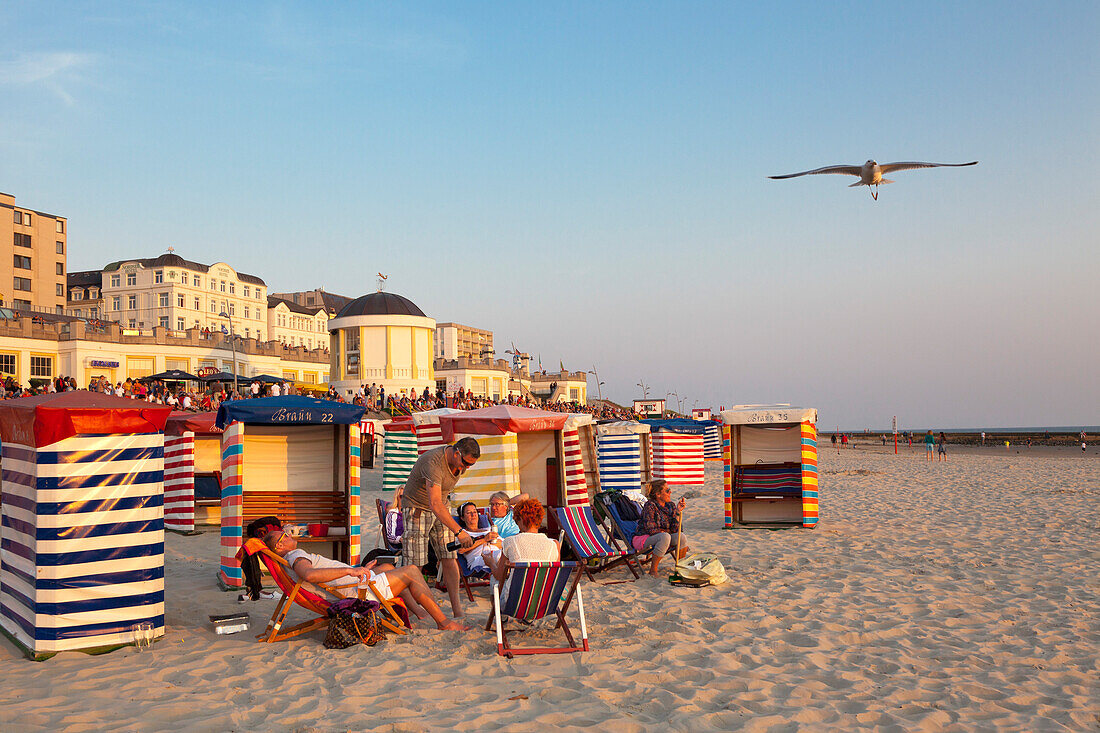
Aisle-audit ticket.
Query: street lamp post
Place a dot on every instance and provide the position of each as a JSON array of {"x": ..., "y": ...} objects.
[
  {"x": 233, "y": 345},
  {"x": 645, "y": 390},
  {"x": 599, "y": 391}
]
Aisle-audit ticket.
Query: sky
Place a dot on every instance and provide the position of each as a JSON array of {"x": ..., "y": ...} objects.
[{"x": 589, "y": 181}]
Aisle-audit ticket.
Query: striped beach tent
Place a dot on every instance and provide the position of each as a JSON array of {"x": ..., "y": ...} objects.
[
  {"x": 541, "y": 436},
  {"x": 712, "y": 441},
  {"x": 192, "y": 445},
  {"x": 496, "y": 470},
  {"x": 399, "y": 453},
  {"x": 677, "y": 450},
  {"x": 428, "y": 433},
  {"x": 769, "y": 455},
  {"x": 622, "y": 453},
  {"x": 82, "y": 503}
]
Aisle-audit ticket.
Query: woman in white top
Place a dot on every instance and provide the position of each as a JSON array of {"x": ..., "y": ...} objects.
[
  {"x": 485, "y": 540},
  {"x": 529, "y": 545}
]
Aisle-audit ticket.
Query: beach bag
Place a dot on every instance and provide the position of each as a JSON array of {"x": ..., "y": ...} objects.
[
  {"x": 699, "y": 569},
  {"x": 627, "y": 508},
  {"x": 352, "y": 621}
]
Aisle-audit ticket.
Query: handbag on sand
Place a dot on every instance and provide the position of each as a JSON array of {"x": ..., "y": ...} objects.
[{"x": 352, "y": 622}]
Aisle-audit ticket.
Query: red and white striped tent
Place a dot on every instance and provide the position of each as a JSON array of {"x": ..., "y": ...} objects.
[
  {"x": 426, "y": 426},
  {"x": 677, "y": 450},
  {"x": 192, "y": 445},
  {"x": 539, "y": 435}
]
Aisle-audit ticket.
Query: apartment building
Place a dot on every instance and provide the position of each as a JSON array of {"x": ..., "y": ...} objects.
[
  {"x": 178, "y": 294},
  {"x": 297, "y": 325},
  {"x": 32, "y": 258},
  {"x": 320, "y": 297},
  {"x": 455, "y": 341},
  {"x": 85, "y": 297}
]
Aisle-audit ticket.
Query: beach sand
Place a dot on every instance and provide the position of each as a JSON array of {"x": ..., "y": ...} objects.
[{"x": 945, "y": 596}]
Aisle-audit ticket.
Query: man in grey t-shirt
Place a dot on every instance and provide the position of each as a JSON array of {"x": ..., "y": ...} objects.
[{"x": 427, "y": 512}]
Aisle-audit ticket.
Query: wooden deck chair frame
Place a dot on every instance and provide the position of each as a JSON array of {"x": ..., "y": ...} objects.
[
  {"x": 525, "y": 583},
  {"x": 297, "y": 593},
  {"x": 586, "y": 537}
]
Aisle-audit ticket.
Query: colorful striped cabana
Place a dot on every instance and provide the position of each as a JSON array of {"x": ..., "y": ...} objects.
[
  {"x": 82, "y": 503},
  {"x": 623, "y": 455},
  {"x": 769, "y": 455},
  {"x": 399, "y": 452},
  {"x": 540, "y": 435},
  {"x": 677, "y": 450},
  {"x": 296, "y": 458},
  {"x": 192, "y": 447}
]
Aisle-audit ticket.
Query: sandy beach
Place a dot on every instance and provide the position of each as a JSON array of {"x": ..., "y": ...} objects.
[{"x": 946, "y": 596}]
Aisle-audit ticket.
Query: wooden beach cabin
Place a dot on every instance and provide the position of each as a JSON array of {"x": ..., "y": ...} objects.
[
  {"x": 82, "y": 499},
  {"x": 192, "y": 471},
  {"x": 549, "y": 455},
  {"x": 678, "y": 450},
  {"x": 296, "y": 458},
  {"x": 769, "y": 455},
  {"x": 623, "y": 452}
]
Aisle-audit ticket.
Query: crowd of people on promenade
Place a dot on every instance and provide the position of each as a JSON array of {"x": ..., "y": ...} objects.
[{"x": 182, "y": 396}]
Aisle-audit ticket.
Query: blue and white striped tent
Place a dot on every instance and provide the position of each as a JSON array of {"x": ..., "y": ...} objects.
[
  {"x": 622, "y": 454},
  {"x": 712, "y": 442},
  {"x": 82, "y": 538}
]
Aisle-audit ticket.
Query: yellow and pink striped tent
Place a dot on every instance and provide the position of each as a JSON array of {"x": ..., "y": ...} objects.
[{"x": 549, "y": 455}]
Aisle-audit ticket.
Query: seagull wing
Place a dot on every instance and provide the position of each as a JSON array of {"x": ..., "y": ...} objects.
[
  {"x": 891, "y": 167},
  {"x": 848, "y": 170}
]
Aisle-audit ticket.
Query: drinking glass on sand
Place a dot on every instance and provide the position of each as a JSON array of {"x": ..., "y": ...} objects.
[{"x": 143, "y": 635}]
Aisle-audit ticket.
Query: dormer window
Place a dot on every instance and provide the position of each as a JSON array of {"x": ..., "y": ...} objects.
[{"x": 77, "y": 294}]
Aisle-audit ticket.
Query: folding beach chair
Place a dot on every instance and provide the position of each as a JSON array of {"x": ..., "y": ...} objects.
[
  {"x": 624, "y": 529},
  {"x": 467, "y": 578},
  {"x": 531, "y": 592},
  {"x": 298, "y": 592},
  {"x": 586, "y": 538}
]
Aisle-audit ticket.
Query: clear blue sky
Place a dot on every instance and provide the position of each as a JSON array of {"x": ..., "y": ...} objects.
[{"x": 589, "y": 181}]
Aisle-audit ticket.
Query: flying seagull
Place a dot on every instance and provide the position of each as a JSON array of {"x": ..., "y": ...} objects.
[{"x": 870, "y": 173}]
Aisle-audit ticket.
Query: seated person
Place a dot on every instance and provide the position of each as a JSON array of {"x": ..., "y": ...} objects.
[
  {"x": 485, "y": 540},
  {"x": 530, "y": 545},
  {"x": 406, "y": 582},
  {"x": 660, "y": 524},
  {"x": 500, "y": 513}
]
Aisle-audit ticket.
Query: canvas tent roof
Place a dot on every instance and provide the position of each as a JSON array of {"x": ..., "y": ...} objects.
[
  {"x": 768, "y": 414},
  {"x": 288, "y": 410},
  {"x": 622, "y": 427},
  {"x": 502, "y": 419},
  {"x": 199, "y": 423},
  {"x": 677, "y": 425},
  {"x": 46, "y": 419}
]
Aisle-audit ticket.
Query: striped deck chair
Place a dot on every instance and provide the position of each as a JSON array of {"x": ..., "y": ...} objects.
[
  {"x": 531, "y": 592},
  {"x": 297, "y": 593},
  {"x": 586, "y": 538}
]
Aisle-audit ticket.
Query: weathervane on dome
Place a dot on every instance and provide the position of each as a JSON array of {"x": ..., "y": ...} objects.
[
  {"x": 382, "y": 281},
  {"x": 171, "y": 250}
]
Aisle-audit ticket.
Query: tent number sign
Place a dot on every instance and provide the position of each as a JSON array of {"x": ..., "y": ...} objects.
[{"x": 306, "y": 416}]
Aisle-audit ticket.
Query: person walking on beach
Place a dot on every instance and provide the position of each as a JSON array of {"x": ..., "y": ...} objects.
[
  {"x": 983, "y": 438},
  {"x": 941, "y": 447},
  {"x": 835, "y": 445},
  {"x": 929, "y": 444},
  {"x": 1084, "y": 441}
]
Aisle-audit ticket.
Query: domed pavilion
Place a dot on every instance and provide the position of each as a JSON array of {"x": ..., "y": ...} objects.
[{"x": 383, "y": 339}]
